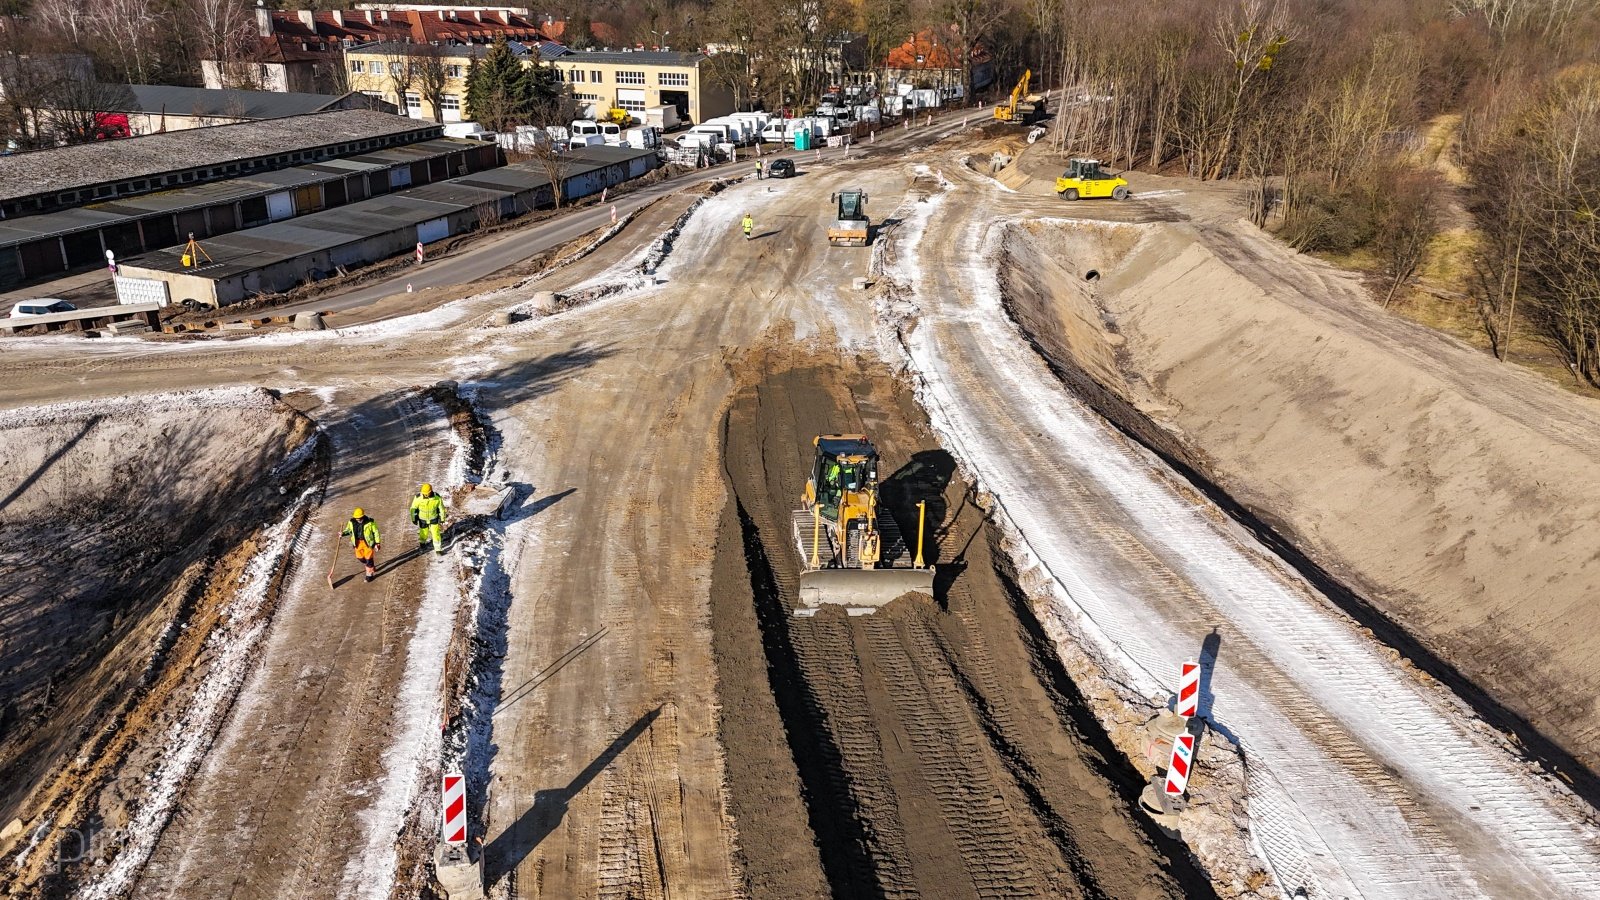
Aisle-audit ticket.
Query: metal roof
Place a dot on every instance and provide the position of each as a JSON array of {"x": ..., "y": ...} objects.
[
  {"x": 66, "y": 168},
  {"x": 258, "y": 184},
  {"x": 642, "y": 57},
  {"x": 224, "y": 103},
  {"x": 265, "y": 245}
]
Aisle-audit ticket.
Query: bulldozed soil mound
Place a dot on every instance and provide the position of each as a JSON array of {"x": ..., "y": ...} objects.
[
  {"x": 934, "y": 749},
  {"x": 125, "y": 524},
  {"x": 1451, "y": 494}
]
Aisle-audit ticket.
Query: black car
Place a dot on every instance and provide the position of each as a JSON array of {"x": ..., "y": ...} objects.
[{"x": 780, "y": 168}]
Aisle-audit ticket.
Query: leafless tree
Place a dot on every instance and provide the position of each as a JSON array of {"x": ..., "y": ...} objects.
[
  {"x": 400, "y": 64},
  {"x": 431, "y": 76}
]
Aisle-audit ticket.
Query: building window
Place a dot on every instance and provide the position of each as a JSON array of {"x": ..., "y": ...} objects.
[
  {"x": 450, "y": 103},
  {"x": 413, "y": 103},
  {"x": 674, "y": 79},
  {"x": 452, "y": 70},
  {"x": 586, "y": 96},
  {"x": 625, "y": 76},
  {"x": 596, "y": 76},
  {"x": 631, "y": 105},
  {"x": 394, "y": 68},
  {"x": 358, "y": 66},
  {"x": 576, "y": 76}
]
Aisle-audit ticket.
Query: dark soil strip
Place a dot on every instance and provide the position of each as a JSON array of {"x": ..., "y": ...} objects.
[
  {"x": 1273, "y": 534},
  {"x": 937, "y": 752}
]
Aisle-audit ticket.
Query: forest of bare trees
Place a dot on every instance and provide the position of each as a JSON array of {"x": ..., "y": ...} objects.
[{"x": 1323, "y": 110}]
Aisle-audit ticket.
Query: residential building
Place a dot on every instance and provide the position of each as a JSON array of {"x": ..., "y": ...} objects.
[
  {"x": 387, "y": 71},
  {"x": 636, "y": 80},
  {"x": 932, "y": 59},
  {"x": 598, "y": 80},
  {"x": 303, "y": 51}
]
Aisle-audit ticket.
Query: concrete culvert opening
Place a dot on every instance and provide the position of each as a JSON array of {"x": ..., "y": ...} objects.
[{"x": 1092, "y": 275}]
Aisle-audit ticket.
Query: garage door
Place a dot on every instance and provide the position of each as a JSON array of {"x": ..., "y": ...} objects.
[
  {"x": 280, "y": 206},
  {"x": 433, "y": 230},
  {"x": 630, "y": 99}
]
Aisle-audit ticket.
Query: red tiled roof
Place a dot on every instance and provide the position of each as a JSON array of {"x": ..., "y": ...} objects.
[
  {"x": 328, "y": 30},
  {"x": 937, "y": 51}
]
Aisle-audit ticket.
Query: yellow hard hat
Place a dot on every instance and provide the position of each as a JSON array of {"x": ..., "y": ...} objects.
[
  {"x": 427, "y": 489},
  {"x": 358, "y": 513}
]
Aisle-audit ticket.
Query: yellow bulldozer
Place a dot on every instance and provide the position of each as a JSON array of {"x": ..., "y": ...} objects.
[
  {"x": 1085, "y": 179},
  {"x": 851, "y": 556},
  {"x": 1023, "y": 108},
  {"x": 851, "y": 227}
]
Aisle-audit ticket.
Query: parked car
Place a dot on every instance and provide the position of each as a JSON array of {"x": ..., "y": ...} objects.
[
  {"x": 780, "y": 168},
  {"x": 43, "y": 306}
]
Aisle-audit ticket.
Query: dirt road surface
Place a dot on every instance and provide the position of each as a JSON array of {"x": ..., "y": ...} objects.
[
  {"x": 659, "y": 727},
  {"x": 1148, "y": 566}
]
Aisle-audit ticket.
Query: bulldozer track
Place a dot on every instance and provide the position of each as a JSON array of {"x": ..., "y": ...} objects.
[{"x": 827, "y": 657}]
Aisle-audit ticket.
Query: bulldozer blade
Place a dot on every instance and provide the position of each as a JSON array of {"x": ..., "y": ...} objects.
[{"x": 860, "y": 591}]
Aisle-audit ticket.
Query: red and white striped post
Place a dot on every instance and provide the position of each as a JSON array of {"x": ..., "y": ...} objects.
[
  {"x": 1188, "y": 689},
  {"x": 1178, "y": 767},
  {"x": 419, "y": 253},
  {"x": 453, "y": 809}
]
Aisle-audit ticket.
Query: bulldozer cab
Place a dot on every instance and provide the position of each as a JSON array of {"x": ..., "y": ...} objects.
[
  {"x": 844, "y": 466},
  {"x": 852, "y": 205}
]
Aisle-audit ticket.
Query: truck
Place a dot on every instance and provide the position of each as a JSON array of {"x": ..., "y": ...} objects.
[
  {"x": 662, "y": 118},
  {"x": 641, "y": 137},
  {"x": 741, "y": 132}
]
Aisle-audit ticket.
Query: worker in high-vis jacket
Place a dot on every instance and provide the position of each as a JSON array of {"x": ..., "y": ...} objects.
[
  {"x": 363, "y": 534},
  {"x": 748, "y": 224},
  {"x": 427, "y": 513}
]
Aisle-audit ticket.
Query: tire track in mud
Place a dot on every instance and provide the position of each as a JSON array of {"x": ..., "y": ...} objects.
[{"x": 933, "y": 752}]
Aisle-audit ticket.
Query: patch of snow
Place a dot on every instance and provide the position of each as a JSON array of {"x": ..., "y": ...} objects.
[
  {"x": 136, "y": 406},
  {"x": 1372, "y": 812},
  {"x": 229, "y": 649}
]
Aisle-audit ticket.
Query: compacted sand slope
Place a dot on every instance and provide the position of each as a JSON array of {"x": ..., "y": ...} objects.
[
  {"x": 112, "y": 513},
  {"x": 1454, "y": 493}
]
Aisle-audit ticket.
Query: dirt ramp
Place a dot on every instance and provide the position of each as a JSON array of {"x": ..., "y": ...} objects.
[
  {"x": 1453, "y": 495},
  {"x": 933, "y": 747},
  {"x": 112, "y": 515}
]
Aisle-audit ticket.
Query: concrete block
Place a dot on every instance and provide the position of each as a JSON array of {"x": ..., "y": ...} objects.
[
  {"x": 545, "y": 301},
  {"x": 500, "y": 318},
  {"x": 309, "y": 321},
  {"x": 459, "y": 877},
  {"x": 127, "y": 328}
]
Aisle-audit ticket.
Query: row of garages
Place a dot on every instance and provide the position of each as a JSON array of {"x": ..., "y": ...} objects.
[
  {"x": 279, "y": 256},
  {"x": 51, "y": 244}
]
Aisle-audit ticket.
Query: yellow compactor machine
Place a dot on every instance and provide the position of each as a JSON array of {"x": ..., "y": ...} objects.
[{"x": 850, "y": 556}]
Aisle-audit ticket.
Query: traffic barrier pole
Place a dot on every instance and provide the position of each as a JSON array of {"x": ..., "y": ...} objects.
[
  {"x": 453, "y": 809},
  {"x": 1188, "y": 689},
  {"x": 1179, "y": 766}
]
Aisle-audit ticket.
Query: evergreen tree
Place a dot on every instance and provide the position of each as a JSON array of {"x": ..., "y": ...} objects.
[
  {"x": 505, "y": 90},
  {"x": 500, "y": 91}
]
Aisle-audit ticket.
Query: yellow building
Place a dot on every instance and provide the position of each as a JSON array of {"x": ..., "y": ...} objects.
[{"x": 599, "y": 80}]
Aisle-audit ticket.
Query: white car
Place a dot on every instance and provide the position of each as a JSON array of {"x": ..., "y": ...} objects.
[{"x": 41, "y": 307}]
